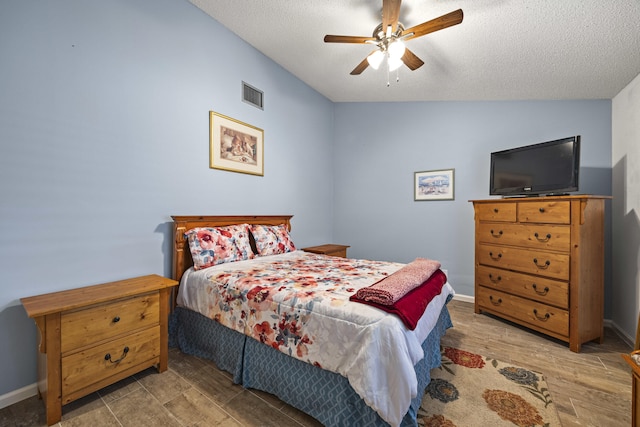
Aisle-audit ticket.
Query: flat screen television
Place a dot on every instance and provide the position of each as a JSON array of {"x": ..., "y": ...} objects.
[{"x": 547, "y": 168}]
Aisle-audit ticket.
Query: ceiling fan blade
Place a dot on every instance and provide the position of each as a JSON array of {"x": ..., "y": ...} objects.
[
  {"x": 411, "y": 60},
  {"x": 360, "y": 67},
  {"x": 347, "y": 39},
  {"x": 445, "y": 21},
  {"x": 390, "y": 14}
]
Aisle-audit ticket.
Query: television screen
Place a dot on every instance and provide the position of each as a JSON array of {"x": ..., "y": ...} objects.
[{"x": 551, "y": 167}]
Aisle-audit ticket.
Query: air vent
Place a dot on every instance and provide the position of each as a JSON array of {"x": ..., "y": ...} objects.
[{"x": 252, "y": 96}]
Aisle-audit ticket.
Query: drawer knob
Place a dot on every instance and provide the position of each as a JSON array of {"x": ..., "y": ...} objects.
[
  {"x": 494, "y": 280},
  {"x": 542, "y": 239},
  {"x": 546, "y": 264},
  {"x": 495, "y": 258},
  {"x": 495, "y": 210},
  {"x": 541, "y": 210},
  {"x": 497, "y": 302},
  {"x": 116, "y": 319},
  {"x": 124, "y": 354},
  {"x": 543, "y": 292},
  {"x": 541, "y": 318},
  {"x": 498, "y": 234}
]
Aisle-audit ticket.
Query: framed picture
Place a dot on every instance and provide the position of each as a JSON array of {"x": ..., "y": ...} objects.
[
  {"x": 235, "y": 146},
  {"x": 434, "y": 185}
]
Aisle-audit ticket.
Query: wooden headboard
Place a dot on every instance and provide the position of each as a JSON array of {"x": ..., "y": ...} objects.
[{"x": 181, "y": 224}]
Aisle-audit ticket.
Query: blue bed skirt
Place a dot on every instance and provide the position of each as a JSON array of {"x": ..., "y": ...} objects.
[{"x": 325, "y": 395}]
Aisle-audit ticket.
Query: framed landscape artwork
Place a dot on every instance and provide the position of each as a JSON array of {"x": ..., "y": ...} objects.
[
  {"x": 235, "y": 146},
  {"x": 434, "y": 185}
]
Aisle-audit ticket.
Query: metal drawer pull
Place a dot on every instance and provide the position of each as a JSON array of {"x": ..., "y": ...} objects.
[
  {"x": 546, "y": 264},
  {"x": 544, "y": 292},
  {"x": 496, "y": 280},
  {"x": 124, "y": 354},
  {"x": 542, "y": 319},
  {"x": 498, "y": 234},
  {"x": 116, "y": 319},
  {"x": 495, "y": 258},
  {"x": 545, "y": 239},
  {"x": 541, "y": 210},
  {"x": 495, "y": 302}
]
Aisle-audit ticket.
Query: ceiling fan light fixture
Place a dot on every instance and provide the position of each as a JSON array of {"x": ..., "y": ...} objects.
[
  {"x": 394, "y": 62},
  {"x": 375, "y": 59},
  {"x": 396, "y": 49}
]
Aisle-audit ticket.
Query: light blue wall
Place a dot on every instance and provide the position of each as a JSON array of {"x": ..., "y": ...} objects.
[
  {"x": 104, "y": 115},
  {"x": 379, "y": 146},
  {"x": 104, "y": 135}
]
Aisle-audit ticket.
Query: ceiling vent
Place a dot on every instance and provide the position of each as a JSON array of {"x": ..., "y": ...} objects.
[{"x": 252, "y": 96}]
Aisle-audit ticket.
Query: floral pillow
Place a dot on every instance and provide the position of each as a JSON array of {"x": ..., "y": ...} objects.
[
  {"x": 272, "y": 239},
  {"x": 217, "y": 245}
]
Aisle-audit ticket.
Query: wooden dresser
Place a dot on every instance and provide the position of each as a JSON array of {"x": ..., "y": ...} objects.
[
  {"x": 328, "y": 249},
  {"x": 539, "y": 262},
  {"x": 97, "y": 335}
]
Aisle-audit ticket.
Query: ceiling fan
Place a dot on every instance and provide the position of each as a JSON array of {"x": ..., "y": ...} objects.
[{"x": 390, "y": 35}]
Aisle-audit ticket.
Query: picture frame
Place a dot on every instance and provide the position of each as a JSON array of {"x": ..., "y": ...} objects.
[
  {"x": 434, "y": 185},
  {"x": 235, "y": 146}
]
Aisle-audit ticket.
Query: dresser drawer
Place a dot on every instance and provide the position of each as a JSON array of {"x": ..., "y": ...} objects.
[
  {"x": 496, "y": 212},
  {"x": 92, "y": 365},
  {"x": 540, "y": 236},
  {"x": 94, "y": 324},
  {"x": 552, "y": 212},
  {"x": 534, "y": 313},
  {"x": 547, "y": 291},
  {"x": 548, "y": 264}
]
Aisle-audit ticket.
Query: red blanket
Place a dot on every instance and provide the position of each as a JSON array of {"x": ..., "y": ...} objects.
[{"x": 411, "y": 307}]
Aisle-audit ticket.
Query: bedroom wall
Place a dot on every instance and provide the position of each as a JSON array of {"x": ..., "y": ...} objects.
[
  {"x": 104, "y": 115},
  {"x": 626, "y": 204},
  {"x": 379, "y": 146}
]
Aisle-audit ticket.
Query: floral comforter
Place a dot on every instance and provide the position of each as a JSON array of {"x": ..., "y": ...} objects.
[{"x": 298, "y": 303}]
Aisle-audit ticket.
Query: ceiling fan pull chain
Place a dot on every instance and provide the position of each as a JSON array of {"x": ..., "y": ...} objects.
[{"x": 387, "y": 76}]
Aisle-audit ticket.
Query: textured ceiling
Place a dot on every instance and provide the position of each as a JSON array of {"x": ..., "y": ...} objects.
[{"x": 503, "y": 50}]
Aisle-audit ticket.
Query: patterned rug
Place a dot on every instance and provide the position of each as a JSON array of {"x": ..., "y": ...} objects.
[{"x": 471, "y": 390}]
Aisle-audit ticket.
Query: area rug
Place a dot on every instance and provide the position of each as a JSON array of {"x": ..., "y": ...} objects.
[{"x": 472, "y": 390}]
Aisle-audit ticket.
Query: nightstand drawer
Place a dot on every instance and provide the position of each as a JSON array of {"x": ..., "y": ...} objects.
[
  {"x": 93, "y": 365},
  {"x": 86, "y": 326}
]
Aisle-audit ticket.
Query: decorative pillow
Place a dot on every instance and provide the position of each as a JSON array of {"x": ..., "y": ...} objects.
[
  {"x": 272, "y": 239},
  {"x": 217, "y": 245}
]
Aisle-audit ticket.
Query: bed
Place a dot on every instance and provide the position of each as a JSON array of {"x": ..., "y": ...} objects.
[{"x": 316, "y": 349}]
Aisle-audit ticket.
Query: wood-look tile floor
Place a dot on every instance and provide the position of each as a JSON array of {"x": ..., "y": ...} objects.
[{"x": 591, "y": 388}]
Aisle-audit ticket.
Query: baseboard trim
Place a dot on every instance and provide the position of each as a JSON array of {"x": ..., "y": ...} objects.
[
  {"x": 16, "y": 396},
  {"x": 464, "y": 298},
  {"x": 625, "y": 337}
]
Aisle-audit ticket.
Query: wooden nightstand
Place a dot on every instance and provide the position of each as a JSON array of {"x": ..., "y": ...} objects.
[
  {"x": 94, "y": 336},
  {"x": 329, "y": 249},
  {"x": 635, "y": 388}
]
